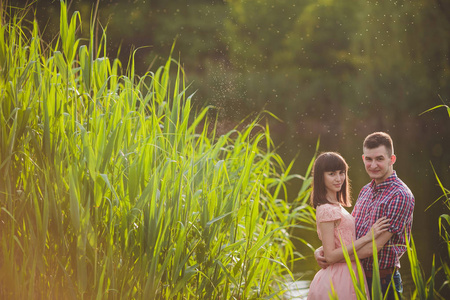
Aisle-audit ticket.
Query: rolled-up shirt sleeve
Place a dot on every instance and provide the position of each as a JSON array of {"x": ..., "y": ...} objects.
[{"x": 399, "y": 210}]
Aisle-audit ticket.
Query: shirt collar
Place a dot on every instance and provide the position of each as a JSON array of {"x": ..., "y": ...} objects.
[{"x": 385, "y": 183}]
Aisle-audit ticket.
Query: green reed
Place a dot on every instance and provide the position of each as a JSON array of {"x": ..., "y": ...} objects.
[
  {"x": 425, "y": 289},
  {"x": 114, "y": 187},
  {"x": 357, "y": 279}
]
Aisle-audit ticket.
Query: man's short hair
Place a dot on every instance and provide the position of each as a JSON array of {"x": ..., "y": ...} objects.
[{"x": 376, "y": 139}]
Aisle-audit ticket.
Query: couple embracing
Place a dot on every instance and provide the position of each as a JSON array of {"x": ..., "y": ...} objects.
[{"x": 383, "y": 211}]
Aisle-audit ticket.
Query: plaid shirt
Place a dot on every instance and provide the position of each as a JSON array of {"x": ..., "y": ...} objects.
[{"x": 393, "y": 199}]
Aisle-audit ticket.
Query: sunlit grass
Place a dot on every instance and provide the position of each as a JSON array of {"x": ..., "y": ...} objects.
[
  {"x": 114, "y": 187},
  {"x": 358, "y": 277},
  {"x": 425, "y": 288}
]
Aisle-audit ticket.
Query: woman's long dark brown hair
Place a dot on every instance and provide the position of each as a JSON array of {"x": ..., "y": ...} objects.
[{"x": 329, "y": 162}]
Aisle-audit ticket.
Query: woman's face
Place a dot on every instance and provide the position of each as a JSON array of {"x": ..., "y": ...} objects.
[{"x": 334, "y": 181}]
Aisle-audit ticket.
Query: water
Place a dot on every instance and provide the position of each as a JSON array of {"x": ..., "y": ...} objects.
[{"x": 297, "y": 290}]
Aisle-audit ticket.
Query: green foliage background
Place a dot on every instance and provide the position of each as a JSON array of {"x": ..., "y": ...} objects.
[{"x": 326, "y": 54}]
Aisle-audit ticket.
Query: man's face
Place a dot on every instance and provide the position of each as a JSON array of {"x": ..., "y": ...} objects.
[{"x": 378, "y": 163}]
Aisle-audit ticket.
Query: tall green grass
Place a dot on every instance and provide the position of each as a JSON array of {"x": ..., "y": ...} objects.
[
  {"x": 425, "y": 288},
  {"x": 114, "y": 187}
]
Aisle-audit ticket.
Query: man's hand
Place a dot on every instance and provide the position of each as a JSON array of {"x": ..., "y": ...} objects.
[
  {"x": 380, "y": 226},
  {"x": 320, "y": 258}
]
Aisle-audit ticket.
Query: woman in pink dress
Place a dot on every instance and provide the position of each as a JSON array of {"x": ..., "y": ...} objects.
[{"x": 331, "y": 191}]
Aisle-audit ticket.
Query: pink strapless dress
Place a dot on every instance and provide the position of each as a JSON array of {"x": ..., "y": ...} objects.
[{"x": 337, "y": 273}]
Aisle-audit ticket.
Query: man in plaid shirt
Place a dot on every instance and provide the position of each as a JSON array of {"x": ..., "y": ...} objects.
[{"x": 385, "y": 196}]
